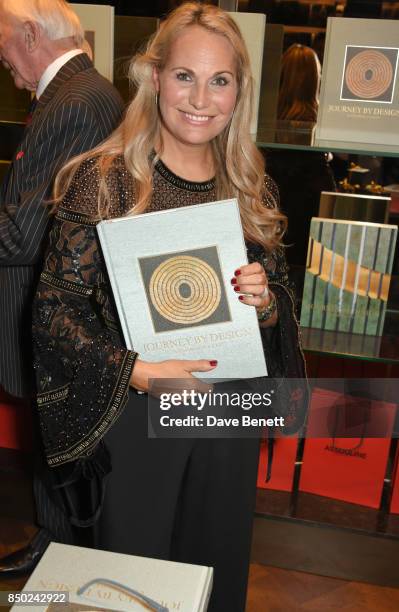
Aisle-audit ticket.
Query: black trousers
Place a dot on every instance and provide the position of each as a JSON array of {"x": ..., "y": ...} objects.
[{"x": 185, "y": 500}]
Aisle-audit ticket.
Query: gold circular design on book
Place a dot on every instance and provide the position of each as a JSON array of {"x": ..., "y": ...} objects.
[
  {"x": 368, "y": 74},
  {"x": 185, "y": 289}
]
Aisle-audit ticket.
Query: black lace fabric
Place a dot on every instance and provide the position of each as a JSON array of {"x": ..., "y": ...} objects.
[{"x": 82, "y": 365}]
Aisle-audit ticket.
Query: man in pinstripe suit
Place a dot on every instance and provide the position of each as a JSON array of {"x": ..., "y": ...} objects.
[{"x": 76, "y": 109}]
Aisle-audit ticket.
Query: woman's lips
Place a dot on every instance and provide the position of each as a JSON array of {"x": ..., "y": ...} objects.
[{"x": 196, "y": 119}]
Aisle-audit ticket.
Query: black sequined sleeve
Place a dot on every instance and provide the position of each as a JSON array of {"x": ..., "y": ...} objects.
[{"x": 82, "y": 367}]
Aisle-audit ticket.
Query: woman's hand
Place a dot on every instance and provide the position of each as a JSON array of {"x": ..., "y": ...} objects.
[
  {"x": 250, "y": 282},
  {"x": 172, "y": 369}
]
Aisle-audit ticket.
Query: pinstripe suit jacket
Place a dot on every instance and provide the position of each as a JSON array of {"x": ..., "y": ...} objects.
[{"x": 77, "y": 110}]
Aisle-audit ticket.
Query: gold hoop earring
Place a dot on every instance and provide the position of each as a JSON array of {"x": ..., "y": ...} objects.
[{"x": 156, "y": 99}]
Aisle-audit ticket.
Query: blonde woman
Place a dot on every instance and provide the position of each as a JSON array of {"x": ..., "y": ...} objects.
[{"x": 185, "y": 140}]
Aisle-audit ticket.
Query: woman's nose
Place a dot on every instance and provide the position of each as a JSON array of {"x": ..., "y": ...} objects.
[{"x": 199, "y": 97}]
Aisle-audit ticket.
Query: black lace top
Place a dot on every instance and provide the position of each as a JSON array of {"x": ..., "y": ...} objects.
[{"x": 82, "y": 366}]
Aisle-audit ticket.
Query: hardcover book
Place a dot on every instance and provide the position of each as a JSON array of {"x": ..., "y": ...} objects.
[
  {"x": 170, "y": 273},
  {"x": 359, "y": 98},
  {"x": 101, "y": 580},
  {"x": 252, "y": 26},
  {"x": 98, "y": 24},
  {"x": 356, "y": 207},
  {"x": 348, "y": 272}
]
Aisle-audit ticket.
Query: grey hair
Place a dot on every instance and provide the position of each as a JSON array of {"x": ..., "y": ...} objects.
[{"x": 55, "y": 17}]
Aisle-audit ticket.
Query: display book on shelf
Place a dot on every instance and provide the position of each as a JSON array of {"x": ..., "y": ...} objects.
[
  {"x": 359, "y": 104},
  {"x": 354, "y": 206},
  {"x": 347, "y": 277},
  {"x": 252, "y": 26},
  {"x": 98, "y": 24}
]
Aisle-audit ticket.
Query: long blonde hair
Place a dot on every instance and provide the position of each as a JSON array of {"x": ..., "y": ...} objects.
[{"x": 239, "y": 164}]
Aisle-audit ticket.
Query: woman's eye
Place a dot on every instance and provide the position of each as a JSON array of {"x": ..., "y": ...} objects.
[
  {"x": 183, "y": 76},
  {"x": 220, "y": 81}
]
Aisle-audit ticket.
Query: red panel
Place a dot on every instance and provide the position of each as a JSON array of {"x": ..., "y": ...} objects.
[
  {"x": 15, "y": 422},
  {"x": 349, "y": 469}
]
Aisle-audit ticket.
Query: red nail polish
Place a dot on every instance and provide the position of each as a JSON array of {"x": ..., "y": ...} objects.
[
  {"x": 237, "y": 273},
  {"x": 236, "y": 288},
  {"x": 233, "y": 281},
  {"x": 241, "y": 297},
  {"x": 213, "y": 363}
]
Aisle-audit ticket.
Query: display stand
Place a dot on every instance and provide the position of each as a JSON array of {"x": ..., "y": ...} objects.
[{"x": 308, "y": 532}]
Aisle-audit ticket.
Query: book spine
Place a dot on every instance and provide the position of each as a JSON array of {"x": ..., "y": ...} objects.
[
  {"x": 204, "y": 590},
  {"x": 327, "y": 53},
  {"x": 115, "y": 287}
]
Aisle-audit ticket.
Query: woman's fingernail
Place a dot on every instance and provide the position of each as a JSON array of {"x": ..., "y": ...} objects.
[
  {"x": 237, "y": 272},
  {"x": 236, "y": 288},
  {"x": 233, "y": 281},
  {"x": 241, "y": 297},
  {"x": 213, "y": 362}
]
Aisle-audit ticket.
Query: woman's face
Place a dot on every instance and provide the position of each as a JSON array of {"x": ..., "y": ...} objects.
[{"x": 197, "y": 87}]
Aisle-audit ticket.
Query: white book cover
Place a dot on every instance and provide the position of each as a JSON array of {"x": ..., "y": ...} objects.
[
  {"x": 252, "y": 26},
  {"x": 170, "y": 273},
  {"x": 101, "y": 580},
  {"x": 98, "y": 23},
  {"x": 359, "y": 96}
]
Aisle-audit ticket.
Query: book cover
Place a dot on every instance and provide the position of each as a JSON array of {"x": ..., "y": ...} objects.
[
  {"x": 354, "y": 207},
  {"x": 101, "y": 580},
  {"x": 98, "y": 24},
  {"x": 348, "y": 272},
  {"x": 359, "y": 99},
  {"x": 170, "y": 274},
  {"x": 252, "y": 26}
]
